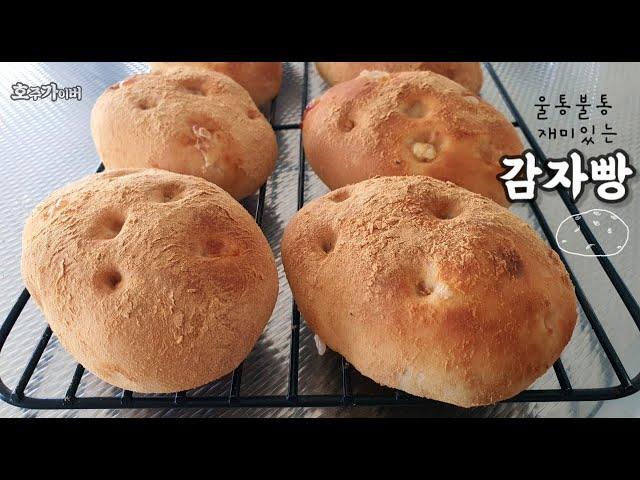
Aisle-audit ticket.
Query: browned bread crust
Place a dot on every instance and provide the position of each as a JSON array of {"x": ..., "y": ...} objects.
[
  {"x": 429, "y": 288},
  {"x": 467, "y": 74},
  {"x": 186, "y": 121},
  {"x": 412, "y": 123},
  {"x": 154, "y": 281},
  {"x": 261, "y": 79}
]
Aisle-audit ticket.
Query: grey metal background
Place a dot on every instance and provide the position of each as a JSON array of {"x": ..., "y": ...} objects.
[{"x": 45, "y": 145}]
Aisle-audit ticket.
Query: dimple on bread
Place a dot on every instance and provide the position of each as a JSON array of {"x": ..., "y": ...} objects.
[
  {"x": 154, "y": 281},
  {"x": 429, "y": 288},
  {"x": 467, "y": 74},
  {"x": 412, "y": 123},
  {"x": 261, "y": 79},
  {"x": 186, "y": 121}
]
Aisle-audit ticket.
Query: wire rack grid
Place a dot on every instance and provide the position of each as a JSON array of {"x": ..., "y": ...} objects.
[{"x": 292, "y": 398}]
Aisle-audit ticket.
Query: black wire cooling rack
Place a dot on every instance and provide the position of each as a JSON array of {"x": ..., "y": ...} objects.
[{"x": 128, "y": 399}]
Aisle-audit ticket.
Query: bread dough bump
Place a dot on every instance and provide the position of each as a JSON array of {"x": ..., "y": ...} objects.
[
  {"x": 186, "y": 121},
  {"x": 413, "y": 123},
  {"x": 426, "y": 287},
  {"x": 154, "y": 281}
]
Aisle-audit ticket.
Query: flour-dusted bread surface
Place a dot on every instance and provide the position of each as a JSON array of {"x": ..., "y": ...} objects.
[
  {"x": 414, "y": 123},
  {"x": 186, "y": 121},
  {"x": 467, "y": 74},
  {"x": 154, "y": 281},
  {"x": 261, "y": 79},
  {"x": 429, "y": 288}
]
